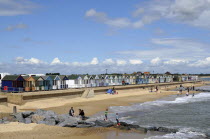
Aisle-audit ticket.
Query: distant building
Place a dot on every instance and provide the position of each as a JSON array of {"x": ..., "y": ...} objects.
[{"x": 146, "y": 73}]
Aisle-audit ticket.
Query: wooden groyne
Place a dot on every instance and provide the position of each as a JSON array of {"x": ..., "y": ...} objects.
[{"x": 20, "y": 98}]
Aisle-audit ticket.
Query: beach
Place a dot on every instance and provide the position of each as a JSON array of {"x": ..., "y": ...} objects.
[{"x": 91, "y": 106}]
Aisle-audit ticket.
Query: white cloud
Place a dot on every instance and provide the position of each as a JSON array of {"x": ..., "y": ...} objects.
[
  {"x": 121, "y": 62},
  {"x": 17, "y": 26},
  {"x": 34, "y": 65},
  {"x": 56, "y": 61},
  {"x": 176, "y": 61},
  {"x": 21, "y": 60},
  {"x": 172, "y": 48},
  {"x": 94, "y": 61},
  {"x": 16, "y": 7},
  {"x": 201, "y": 63},
  {"x": 135, "y": 61},
  {"x": 108, "y": 61},
  {"x": 119, "y": 22},
  {"x": 192, "y": 12},
  {"x": 138, "y": 12},
  {"x": 155, "y": 61}
]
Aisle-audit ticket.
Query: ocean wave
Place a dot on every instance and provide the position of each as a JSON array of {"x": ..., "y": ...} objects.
[
  {"x": 159, "y": 103},
  {"x": 181, "y": 135}
]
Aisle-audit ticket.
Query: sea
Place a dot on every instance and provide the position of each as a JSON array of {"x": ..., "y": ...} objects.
[{"x": 189, "y": 114}]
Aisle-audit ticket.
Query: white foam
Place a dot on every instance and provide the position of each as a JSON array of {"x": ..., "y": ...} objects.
[
  {"x": 181, "y": 135},
  {"x": 151, "y": 105}
]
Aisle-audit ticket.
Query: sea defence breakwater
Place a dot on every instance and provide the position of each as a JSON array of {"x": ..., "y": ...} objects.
[{"x": 20, "y": 98}]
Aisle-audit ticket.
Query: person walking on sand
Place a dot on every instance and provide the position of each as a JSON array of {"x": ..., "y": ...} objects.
[
  {"x": 106, "y": 115},
  {"x": 71, "y": 112},
  {"x": 117, "y": 119}
]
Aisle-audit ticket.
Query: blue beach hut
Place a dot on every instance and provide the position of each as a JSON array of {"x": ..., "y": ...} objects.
[
  {"x": 63, "y": 79},
  {"x": 48, "y": 82},
  {"x": 13, "y": 83}
]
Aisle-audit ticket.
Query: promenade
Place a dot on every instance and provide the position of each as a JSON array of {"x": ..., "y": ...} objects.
[{"x": 19, "y": 98}]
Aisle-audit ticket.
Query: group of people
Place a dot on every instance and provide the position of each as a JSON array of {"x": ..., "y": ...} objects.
[
  {"x": 156, "y": 89},
  {"x": 81, "y": 113},
  {"x": 112, "y": 91},
  {"x": 116, "y": 116},
  {"x": 188, "y": 90}
]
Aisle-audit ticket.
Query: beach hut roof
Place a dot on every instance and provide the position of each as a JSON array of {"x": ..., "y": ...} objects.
[
  {"x": 45, "y": 77},
  {"x": 36, "y": 77},
  {"x": 25, "y": 77},
  {"x": 10, "y": 77},
  {"x": 63, "y": 77},
  {"x": 53, "y": 76}
]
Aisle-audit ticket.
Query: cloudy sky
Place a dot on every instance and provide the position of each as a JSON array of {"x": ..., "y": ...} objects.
[{"x": 90, "y": 36}]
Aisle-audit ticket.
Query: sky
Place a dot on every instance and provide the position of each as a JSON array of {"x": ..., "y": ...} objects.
[{"x": 90, "y": 36}]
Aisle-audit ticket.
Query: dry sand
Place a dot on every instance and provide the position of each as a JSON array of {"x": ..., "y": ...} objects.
[{"x": 91, "y": 106}]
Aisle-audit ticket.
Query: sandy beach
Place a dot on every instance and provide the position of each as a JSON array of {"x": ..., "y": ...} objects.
[{"x": 91, "y": 106}]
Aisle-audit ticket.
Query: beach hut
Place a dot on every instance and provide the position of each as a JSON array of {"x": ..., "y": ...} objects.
[
  {"x": 63, "y": 81},
  {"x": 111, "y": 80},
  {"x": 56, "y": 82},
  {"x": 74, "y": 81},
  {"x": 106, "y": 80},
  {"x": 39, "y": 83},
  {"x": 92, "y": 82},
  {"x": 48, "y": 82},
  {"x": 120, "y": 79},
  {"x": 86, "y": 80},
  {"x": 2, "y": 76},
  {"x": 13, "y": 83},
  {"x": 101, "y": 80},
  {"x": 97, "y": 80},
  {"x": 29, "y": 83}
]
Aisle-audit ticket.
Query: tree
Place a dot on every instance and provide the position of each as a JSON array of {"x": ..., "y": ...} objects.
[{"x": 168, "y": 73}]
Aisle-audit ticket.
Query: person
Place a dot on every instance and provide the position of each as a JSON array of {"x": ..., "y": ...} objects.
[
  {"x": 156, "y": 88},
  {"x": 193, "y": 87},
  {"x": 123, "y": 82},
  {"x": 151, "y": 89},
  {"x": 113, "y": 88},
  {"x": 193, "y": 94},
  {"x": 82, "y": 114},
  {"x": 178, "y": 93},
  {"x": 117, "y": 119},
  {"x": 187, "y": 94},
  {"x": 71, "y": 112},
  {"x": 106, "y": 114}
]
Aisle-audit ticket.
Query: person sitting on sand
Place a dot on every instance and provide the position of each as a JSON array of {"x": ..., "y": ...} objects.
[{"x": 71, "y": 112}]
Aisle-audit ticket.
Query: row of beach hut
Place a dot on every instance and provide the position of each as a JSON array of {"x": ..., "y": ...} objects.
[{"x": 21, "y": 83}]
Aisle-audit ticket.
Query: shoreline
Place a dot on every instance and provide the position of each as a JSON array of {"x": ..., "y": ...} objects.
[{"x": 102, "y": 101}]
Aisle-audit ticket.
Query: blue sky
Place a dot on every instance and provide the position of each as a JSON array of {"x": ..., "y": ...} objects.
[{"x": 80, "y": 36}]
